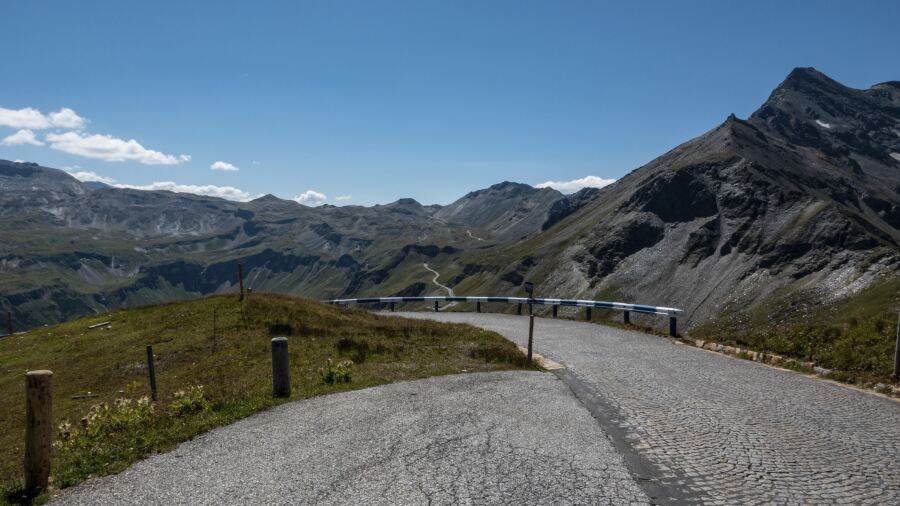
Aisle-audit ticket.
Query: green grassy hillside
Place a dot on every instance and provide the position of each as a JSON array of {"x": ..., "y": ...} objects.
[{"x": 224, "y": 346}]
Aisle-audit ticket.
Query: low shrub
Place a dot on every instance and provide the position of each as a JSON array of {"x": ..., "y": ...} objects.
[
  {"x": 189, "y": 401},
  {"x": 340, "y": 372}
]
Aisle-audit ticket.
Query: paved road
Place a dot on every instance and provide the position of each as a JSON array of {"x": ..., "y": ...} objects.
[
  {"x": 718, "y": 429},
  {"x": 487, "y": 438}
]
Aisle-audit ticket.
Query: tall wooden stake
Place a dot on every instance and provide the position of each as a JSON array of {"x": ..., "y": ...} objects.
[
  {"x": 9, "y": 327},
  {"x": 241, "y": 279},
  {"x": 896, "y": 374},
  {"x": 151, "y": 370}
]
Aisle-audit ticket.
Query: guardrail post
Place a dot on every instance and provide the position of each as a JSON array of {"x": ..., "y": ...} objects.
[
  {"x": 587, "y": 313},
  {"x": 673, "y": 328},
  {"x": 281, "y": 368},
  {"x": 392, "y": 307},
  {"x": 436, "y": 306},
  {"x": 38, "y": 429},
  {"x": 519, "y": 309},
  {"x": 555, "y": 310},
  {"x": 478, "y": 306},
  {"x": 530, "y": 334},
  {"x": 896, "y": 374},
  {"x": 151, "y": 370},
  {"x": 627, "y": 317}
]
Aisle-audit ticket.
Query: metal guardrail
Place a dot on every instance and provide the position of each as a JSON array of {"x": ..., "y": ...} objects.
[{"x": 671, "y": 312}]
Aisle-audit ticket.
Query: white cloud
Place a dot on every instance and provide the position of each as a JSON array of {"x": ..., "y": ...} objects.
[
  {"x": 254, "y": 162},
  {"x": 30, "y": 118},
  {"x": 110, "y": 149},
  {"x": 576, "y": 184},
  {"x": 344, "y": 197},
  {"x": 89, "y": 175},
  {"x": 225, "y": 166},
  {"x": 225, "y": 192},
  {"x": 310, "y": 198},
  {"x": 823, "y": 124},
  {"x": 24, "y": 136},
  {"x": 184, "y": 158}
]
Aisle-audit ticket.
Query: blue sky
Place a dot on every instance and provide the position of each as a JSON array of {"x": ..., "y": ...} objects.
[{"x": 381, "y": 100}]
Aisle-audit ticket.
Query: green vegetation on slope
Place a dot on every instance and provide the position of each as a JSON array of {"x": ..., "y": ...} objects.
[
  {"x": 223, "y": 346},
  {"x": 855, "y": 337}
]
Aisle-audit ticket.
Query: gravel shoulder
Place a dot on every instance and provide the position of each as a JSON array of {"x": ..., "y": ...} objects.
[{"x": 486, "y": 438}]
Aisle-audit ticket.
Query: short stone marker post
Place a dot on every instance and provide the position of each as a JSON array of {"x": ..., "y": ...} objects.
[
  {"x": 151, "y": 371},
  {"x": 38, "y": 429},
  {"x": 281, "y": 368}
]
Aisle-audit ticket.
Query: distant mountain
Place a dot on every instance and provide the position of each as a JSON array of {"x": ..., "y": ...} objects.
[
  {"x": 798, "y": 206},
  {"x": 795, "y": 209},
  {"x": 72, "y": 248}
]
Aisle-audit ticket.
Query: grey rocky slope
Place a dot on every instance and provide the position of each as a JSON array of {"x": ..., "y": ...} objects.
[{"x": 800, "y": 201}]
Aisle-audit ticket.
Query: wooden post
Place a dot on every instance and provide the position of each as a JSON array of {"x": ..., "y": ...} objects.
[
  {"x": 627, "y": 317},
  {"x": 241, "y": 279},
  {"x": 896, "y": 374},
  {"x": 392, "y": 307},
  {"x": 673, "y": 328},
  {"x": 519, "y": 309},
  {"x": 38, "y": 429},
  {"x": 555, "y": 310},
  {"x": 151, "y": 370},
  {"x": 436, "y": 309},
  {"x": 9, "y": 327},
  {"x": 478, "y": 306},
  {"x": 281, "y": 368},
  {"x": 530, "y": 334},
  {"x": 587, "y": 313}
]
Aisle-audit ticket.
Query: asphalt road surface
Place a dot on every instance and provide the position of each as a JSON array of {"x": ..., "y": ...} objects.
[
  {"x": 487, "y": 438},
  {"x": 708, "y": 428}
]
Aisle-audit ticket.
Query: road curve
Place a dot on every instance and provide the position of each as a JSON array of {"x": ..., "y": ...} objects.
[
  {"x": 485, "y": 438},
  {"x": 717, "y": 429}
]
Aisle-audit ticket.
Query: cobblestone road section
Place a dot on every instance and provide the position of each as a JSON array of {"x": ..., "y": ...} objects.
[
  {"x": 487, "y": 438},
  {"x": 728, "y": 431}
]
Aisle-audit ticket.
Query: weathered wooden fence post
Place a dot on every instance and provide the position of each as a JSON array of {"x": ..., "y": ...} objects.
[
  {"x": 478, "y": 306},
  {"x": 151, "y": 370},
  {"x": 673, "y": 326},
  {"x": 38, "y": 429},
  {"x": 519, "y": 309},
  {"x": 555, "y": 310},
  {"x": 530, "y": 334},
  {"x": 587, "y": 313},
  {"x": 241, "y": 279},
  {"x": 9, "y": 327},
  {"x": 281, "y": 368},
  {"x": 627, "y": 317},
  {"x": 436, "y": 309}
]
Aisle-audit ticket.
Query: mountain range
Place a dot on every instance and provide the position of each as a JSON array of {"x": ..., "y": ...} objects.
[{"x": 782, "y": 214}]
